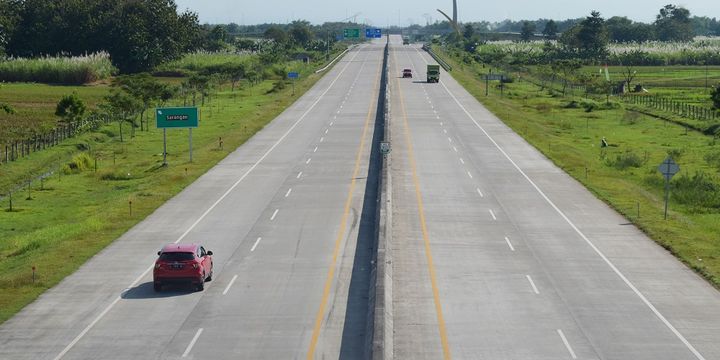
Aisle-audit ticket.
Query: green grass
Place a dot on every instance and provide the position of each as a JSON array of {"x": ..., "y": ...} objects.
[
  {"x": 571, "y": 138},
  {"x": 87, "y": 211},
  {"x": 58, "y": 70}
]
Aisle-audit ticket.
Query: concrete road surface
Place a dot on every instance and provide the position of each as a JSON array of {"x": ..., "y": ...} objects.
[
  {"x": 498, "y": 254},
  {"x": 284, "y": 216}
]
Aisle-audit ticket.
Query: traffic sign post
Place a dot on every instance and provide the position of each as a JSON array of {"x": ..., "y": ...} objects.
[
  {"x": 293, "y": 75},
  {"x": 668, "y": 169},
  {"x": 178, "y": 118}
]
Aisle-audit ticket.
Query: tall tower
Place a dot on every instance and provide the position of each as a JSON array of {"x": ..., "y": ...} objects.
[{"x": 455, "y": 12}]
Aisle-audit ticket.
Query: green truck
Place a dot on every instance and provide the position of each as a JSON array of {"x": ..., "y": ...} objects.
[{"x": 433, "y": 73}]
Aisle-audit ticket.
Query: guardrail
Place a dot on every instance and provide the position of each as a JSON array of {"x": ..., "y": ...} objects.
[
  {"x": 335, "y": 59},
  {"x": 437, "y": 58}
]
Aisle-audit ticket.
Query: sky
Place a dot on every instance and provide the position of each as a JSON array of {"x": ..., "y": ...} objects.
[{"x": 405, "y": 12}]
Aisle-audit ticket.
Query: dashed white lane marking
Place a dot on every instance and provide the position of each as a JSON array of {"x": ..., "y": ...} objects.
[
  {"x": 299, "y": 175},
  {"x": 227, "y": 288},
  {"x": 308, "y": 161},
  {"x": 532, "y": 283},
  {"x": 445, "y": 131},
  {"x": 322, "y": 139},
  {"x": 438, "y": 117},
  {"x": 256, "y": 244},
  {"x": 274, "y": 214},
  {"x": 455, "y": 149},
  {"x": 512, "y": 248},
  {"x": 441, "y": 124},
  {"x": 315, "y": 150},
  {"x": 462, "y": 161},
  {"x": 567, "y": 344},
  {"x": 326, "y": 131},
  {"x": 192, "y": 343},
  {"x": 492, "y": 213},
  {"x": 332, "y": 123},
  {"x": 480, "y": 192},
  {"x": 470, "y": 174},
  {"x": 288, "y": 192},
  {"x": 449, "y": 139},
  {"x": 338, "y": 111}
]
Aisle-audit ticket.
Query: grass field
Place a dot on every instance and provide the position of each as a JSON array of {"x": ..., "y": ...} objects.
[
  {"x": 58, "y": 70},
  {"x": 88, "y": 210},
  {"x": 624, "y": 175}
]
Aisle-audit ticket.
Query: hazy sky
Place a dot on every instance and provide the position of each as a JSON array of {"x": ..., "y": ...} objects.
[{"x": 403, "y": 12}]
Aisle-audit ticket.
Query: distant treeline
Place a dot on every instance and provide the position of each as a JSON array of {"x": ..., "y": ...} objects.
[{"x": 138, "y": 35}]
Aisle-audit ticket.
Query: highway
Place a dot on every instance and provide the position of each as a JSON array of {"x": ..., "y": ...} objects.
[
  {"x": 498, "y": 254},
  {"x": 283, "y": 214}
]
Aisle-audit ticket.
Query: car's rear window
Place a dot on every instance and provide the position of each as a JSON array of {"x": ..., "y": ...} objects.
[{"x": 176, "y": 256}]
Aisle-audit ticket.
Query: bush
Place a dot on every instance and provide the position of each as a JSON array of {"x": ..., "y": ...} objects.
[
  {"x": 79, "y": 163},
  {"x": 113, "y": 175},
  {"x": 713, "y": 159},
  {"x": 277, "y": 86},
  {"x": 699, "y": 191},
  {"x": 626, "y": 160}
]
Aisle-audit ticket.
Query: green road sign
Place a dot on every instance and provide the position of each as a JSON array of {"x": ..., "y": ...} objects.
[
  {"x": 177, "y": 117},
  {"x": 351, "y": 33}
]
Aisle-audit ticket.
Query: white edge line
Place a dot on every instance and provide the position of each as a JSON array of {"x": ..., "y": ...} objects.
[
  {"x": 192, "y": 342},
  {"x": 512, "y": 248},
  {"x": 582, "y": 235},
  {"x": 262, "y": 158},
  {"x": 567, "y": 344},
  {"x": 256, "y": 244},
  {"x": 274, "y": 214},
  {"x": 227, "y": 288},
  {"x": 532, "y": 283}
]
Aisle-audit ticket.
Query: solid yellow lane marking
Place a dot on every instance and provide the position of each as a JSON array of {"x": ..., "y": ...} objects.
[
  {"x": 423, "y": 226},
  {"x": 341, "y": 231}
]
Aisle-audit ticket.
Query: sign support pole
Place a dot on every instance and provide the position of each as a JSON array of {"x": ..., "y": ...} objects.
[
  {"x": 190, "y": 129},
  {"x": 667, "y": 195},
  {"x": 165, "y": 147}
]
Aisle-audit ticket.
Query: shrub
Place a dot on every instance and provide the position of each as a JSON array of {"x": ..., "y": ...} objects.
[
  {"x": 79, "y": 163},
  {"x": 626, "y": 160},
  {"x": 713, "y": 159},
  {"x": 676, "y": 154},
  {"x": 699, "y": 191},
  {"x": 113, "y": 175}
]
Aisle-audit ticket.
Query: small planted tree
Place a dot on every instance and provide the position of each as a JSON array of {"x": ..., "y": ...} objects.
[
  {"x": 123, "y": 107},
  {"x": 70, "y": 109},
  {"x": 715, "y": 97}
]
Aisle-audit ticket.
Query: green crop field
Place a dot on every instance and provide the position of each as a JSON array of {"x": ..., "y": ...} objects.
[
  {"x": 625, "y": 174},
  {"x": 87, "y": 210}
]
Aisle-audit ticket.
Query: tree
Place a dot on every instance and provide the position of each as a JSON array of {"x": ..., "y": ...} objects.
[
  {"x": 70, "y": 108},
  {"x": 276, "y": 34},
  {"x": 123, "y": 107},
  {"x": 300, "y": 32},
  {"x": 528, "y": 31},
  {"x": 144, "y": 88},
  {"x": 568, "y": 69},
  {"x": 629, "y": 74},
  {"x": 551, "y": 30},
  {"x": 593, "y": 36},
  {"x": 715, "y": 97},
  {"x": 469, "y": 31},
  {"x": 674, "y": 24}
]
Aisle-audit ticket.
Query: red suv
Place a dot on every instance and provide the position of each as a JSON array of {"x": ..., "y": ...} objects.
[{"x": 183, "y": 263}]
